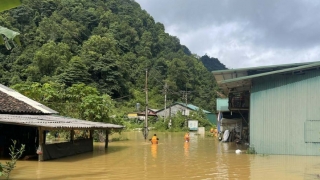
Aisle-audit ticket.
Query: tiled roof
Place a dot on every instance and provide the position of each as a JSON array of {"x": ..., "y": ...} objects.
[{"x": 13, "y": 102}]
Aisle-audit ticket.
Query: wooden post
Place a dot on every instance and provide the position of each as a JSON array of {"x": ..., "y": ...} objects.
[
  {"x": 40, "y": 147},
  {"x": 72, "y": 135},
  {"x": 107, "y": 139},
  {"x": 91, "y": 134},
  {"x": 44, "y": 137}
]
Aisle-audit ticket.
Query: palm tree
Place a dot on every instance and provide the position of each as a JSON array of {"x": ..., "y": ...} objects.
[{"x": 7, "y": 36}]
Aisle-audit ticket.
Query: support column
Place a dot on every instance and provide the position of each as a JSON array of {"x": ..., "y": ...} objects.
[
  {"x": 91, "y": 134},
  {"x": 44, "y": 134},
  {"x": 107, "y": 139},
  {"x": 40, "y": 146},
  {"x": 72, "y": 135}
]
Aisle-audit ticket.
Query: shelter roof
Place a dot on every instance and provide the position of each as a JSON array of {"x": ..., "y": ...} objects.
[
  {"x": 237, "y": 80},
  {"x": 54, "y": 122},
  {"x": 12, "y": 101}
]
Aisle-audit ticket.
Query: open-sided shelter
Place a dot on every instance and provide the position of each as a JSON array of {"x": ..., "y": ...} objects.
[
  {"x": 27, "y": 122},
  {"x": 281, "y": 104}
]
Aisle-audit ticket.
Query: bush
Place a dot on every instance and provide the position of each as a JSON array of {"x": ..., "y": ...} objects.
[{"x": 15, "y": 154}]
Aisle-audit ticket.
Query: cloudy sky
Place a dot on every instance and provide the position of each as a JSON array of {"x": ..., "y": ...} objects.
[{"x": 243, "y": 33}]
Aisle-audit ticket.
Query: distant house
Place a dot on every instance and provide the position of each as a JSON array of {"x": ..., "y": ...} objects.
[
  {"x": 141, "y": 115},
  {"x": 132, "y": 115},
  {"x": 185, "y": 109},
  {"x": 280, "y": 104},
  {"x": 27, "y": 121}
]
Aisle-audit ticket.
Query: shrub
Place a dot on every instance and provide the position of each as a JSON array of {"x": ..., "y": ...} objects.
[{"x": 15, "y": 154}]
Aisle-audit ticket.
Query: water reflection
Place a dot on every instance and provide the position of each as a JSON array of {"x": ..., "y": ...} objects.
[
  {"x": 203, "y": 157},
  {"x": 186, "y": 149},
  {"x": 154, "y": 148}
]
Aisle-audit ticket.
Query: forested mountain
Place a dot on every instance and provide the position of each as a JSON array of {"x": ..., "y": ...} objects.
[
  {"x": 107, "y": 44},
  {"x": 212, "y": 64}
]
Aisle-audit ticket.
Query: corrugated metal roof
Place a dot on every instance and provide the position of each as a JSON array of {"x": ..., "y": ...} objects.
[
  {"x": 262, "y": 68},
  {"x": 240, "y": 79},
  {"x": 193, "y": 107},
  {"x": 20, "y": 103},
  {"x": 54, "y": 121}
]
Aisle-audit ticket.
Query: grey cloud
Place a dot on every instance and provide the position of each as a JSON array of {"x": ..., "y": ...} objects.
[
  {"x": 280, "y": 22},
  {"x": 243, "y": 33}
]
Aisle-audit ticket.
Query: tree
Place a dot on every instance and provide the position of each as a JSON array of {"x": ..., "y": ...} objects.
[
  {"x": 51, "y": 58},
  {"x": 96, "y": 108},
  {"x": 75, "y": 73},
  {"x": 100, "y": 55},
  {"x": 7, "y": 36}
]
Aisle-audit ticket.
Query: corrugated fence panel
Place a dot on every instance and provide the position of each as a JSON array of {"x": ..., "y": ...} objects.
[
  {"x": 222, "y": 104},
  {"x": 280, "y": 105}
]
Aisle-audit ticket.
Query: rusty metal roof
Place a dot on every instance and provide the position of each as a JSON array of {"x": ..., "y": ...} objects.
[
  {"x": 54, "y": 121},
  {"x": 12, "y": 101}
]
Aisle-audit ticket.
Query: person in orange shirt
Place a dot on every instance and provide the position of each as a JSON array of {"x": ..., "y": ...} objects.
[
  {"x": 154, "y": 139},
  {"x": 187, "y": 137}
]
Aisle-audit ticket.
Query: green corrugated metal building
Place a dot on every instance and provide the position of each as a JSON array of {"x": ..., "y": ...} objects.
[{"x": 284, "y": 106}]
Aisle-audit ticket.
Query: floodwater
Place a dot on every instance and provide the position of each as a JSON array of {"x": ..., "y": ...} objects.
[{"x": 204, "y": 157}]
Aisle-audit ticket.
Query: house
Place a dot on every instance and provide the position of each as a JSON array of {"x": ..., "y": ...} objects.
[
  {"x": 141, "y": 115},
  {"x": 185, "y": 109},
  {"x": 151, "y": 112},
  {"x": 27, "y": 122},
  {"x": 280, "y": 103}
]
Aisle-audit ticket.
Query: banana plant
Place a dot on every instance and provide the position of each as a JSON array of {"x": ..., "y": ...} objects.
[{"x": 9, "y": 37}]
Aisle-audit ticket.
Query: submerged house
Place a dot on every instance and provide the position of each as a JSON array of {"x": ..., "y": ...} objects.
[
  {"x": 280, "y": 103},
  {"x": 185, "y": 109},
  {"x": 28, "y": 121}
]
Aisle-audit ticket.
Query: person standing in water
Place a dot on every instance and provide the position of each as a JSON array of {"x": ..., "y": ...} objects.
[
  {"x": 187, "y": 137},
  {"x": 154, "y": 139}
]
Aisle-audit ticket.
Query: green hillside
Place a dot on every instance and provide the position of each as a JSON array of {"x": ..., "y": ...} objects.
[{"x": 106, "y": 44}]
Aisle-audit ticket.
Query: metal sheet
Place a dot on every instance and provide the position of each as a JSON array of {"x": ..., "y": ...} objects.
[
  {"x": 279, "y": 107},
  {"x": 54, "y": 121}
]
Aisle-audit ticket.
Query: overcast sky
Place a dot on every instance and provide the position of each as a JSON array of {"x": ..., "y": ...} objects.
[{"x": 243, "y": 33}]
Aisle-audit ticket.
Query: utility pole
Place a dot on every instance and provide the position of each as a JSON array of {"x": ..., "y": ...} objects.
[
  {"x": 165, "y": 102},
  {"x": 145, "y": 131},
  {"x": 185, "y": 97}
]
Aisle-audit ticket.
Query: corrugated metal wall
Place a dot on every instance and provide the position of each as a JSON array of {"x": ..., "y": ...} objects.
[
  {"x": 174, "y": 110},
  {"x": 279, "y": 107}
]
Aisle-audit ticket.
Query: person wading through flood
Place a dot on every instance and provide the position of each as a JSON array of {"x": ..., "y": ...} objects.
[
  {"x": 154, "y": 139},
  {"x": 187, "y": 137}
]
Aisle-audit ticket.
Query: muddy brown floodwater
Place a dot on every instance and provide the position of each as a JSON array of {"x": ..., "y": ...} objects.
[{"x": 203, "y": 157}]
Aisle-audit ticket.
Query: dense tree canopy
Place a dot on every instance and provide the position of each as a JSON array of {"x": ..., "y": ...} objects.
[{"x": 105, "y": 44}]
